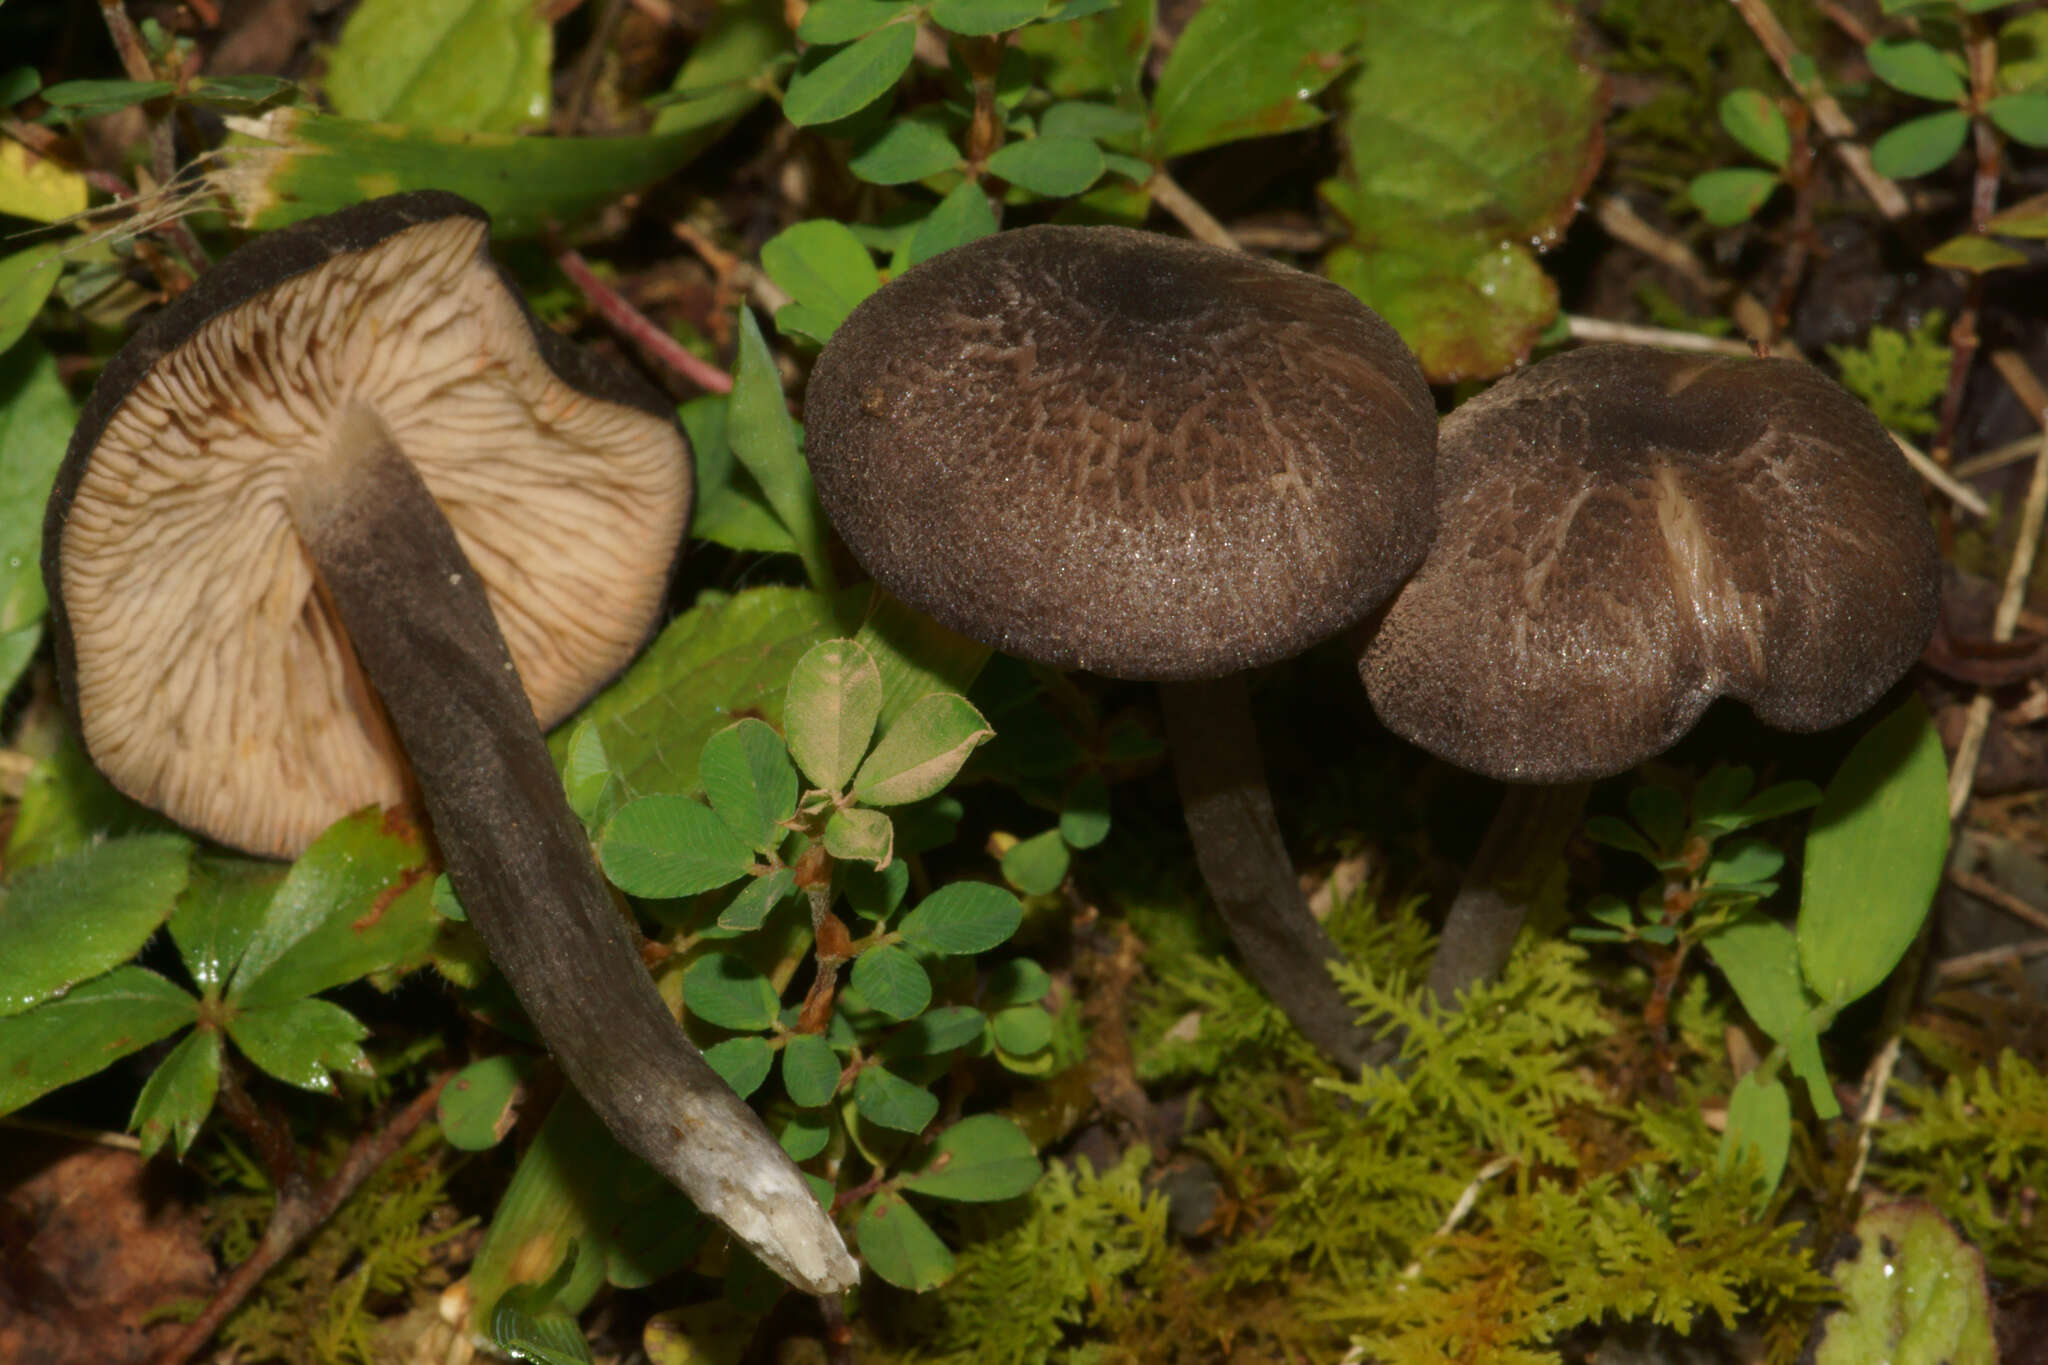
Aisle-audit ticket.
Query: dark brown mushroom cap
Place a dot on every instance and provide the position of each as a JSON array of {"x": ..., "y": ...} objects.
[
  {"x": 1111, "y": 450},
  {"x": 1628, "y": 534},
  {"x": 209, "y": 677}
]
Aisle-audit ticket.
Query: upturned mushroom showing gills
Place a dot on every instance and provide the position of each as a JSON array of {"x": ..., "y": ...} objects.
[
  {"x": 344, "y": 520},
  {"x": 1626, "y": 535},
  {"x": 1103, "y": 449}
]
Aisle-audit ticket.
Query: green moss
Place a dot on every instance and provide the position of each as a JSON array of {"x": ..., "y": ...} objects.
[{"x": 1900, "y": 376}]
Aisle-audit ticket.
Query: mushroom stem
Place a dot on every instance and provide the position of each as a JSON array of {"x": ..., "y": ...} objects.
[
  {"x": 519, "y": 860},
  {"x": 1528, "y": 834},
  {"x": 1229, "y": 812}
]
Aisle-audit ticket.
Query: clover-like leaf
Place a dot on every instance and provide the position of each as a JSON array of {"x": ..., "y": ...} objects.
[
  {"x": 892, "y": 982},
  {"x": 810, "y": 1071},
  {"x": 981, "y": 1159},
  {"x": 834, "y": 699},
  {"x": 857, "y": 835},
  {"x": 730, "y": 992},
  {"x": 961, "y": 918},
  {"x": 900, "y": 1246},
  {"x": 921, "y": 751},
  {"x": 829, "y": 86},
  {"x": 886, "y": 1100},
  {"x": 750, "y": 782},
  {"x": 666, "y": 846},
  {"x": 302, "y": 1042}
]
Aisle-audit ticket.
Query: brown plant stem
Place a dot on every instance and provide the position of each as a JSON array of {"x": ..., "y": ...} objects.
[
  {"x": 163, "y": 152},
  {"x": 1186, "y": 210},
  {"x": 299, "y": 1213},
  {"x": 1834, "y": 121},
  {"x": 613, "y": 308}
]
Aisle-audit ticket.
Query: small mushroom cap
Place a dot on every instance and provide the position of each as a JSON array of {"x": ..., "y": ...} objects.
[
  {"x": 1628, "y": 534},
  {"x": 209, "y": 677},
  {"x": 1111, "y": 450}
]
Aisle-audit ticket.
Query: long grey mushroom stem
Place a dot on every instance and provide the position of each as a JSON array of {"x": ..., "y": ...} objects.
[
  {"x": 1528, "y": 833},
  {"x": 1243, "y": 859},
  {"x": 424, "y": 632}
]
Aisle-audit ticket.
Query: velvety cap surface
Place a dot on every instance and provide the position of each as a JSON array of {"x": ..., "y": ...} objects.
[
  {"x": 1626, "y": 535},
  {"x": 210, "y": 678},
  {"x": 1112, "y": 450}
]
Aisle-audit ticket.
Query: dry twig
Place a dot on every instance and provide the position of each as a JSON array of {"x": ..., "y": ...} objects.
[{"x": 612, "y": 306}]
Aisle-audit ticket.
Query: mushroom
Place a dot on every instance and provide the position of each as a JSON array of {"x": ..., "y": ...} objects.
[
  {"x": 1103, "y": 449},
  {"x": 1627, "y": 534},
  {"x": 344, "y": 518}
]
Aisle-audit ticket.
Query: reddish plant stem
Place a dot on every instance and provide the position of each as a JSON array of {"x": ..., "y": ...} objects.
[
  {"x": 298, "y": 1214},
  {"x": 613, "y": 308},
  {"x": 267, "y": 1133},
  {"x": 1799, "y": 246}
]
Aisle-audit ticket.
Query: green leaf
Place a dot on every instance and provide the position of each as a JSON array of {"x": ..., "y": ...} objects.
[
  {"x": 1660, "y": 812},
  {"x": 1022, "y": 1029},
  {"x": 446, "y": 904},
  {"x": 718, "y": 658},
  {"x": 830, "y": 22},
  {"x": 1084, "y": 118},
  {"x": 479, "y": 1105},
  {"x": 962, "y": 918},
  {"x": 86, "y": 1030},
  {"x": 36, "y": 413},
  {"x": 1052, "y": 166},
  {"x": 979, "y": 1160},
  {"x": 1744, "y": 862},
  {"x": 302, "y": 1042},
  {"x": 742, "y": 1063},
  {"x": 1477, "y": 141},
  {"x": 1251, "y": 68},
  {"x": 1913, "y": 1294},
  {"x": 874, "y": 892},
  {"x": 751, "y": 908},
  {"x": 1104, "y": 56},
  {"x": 587, "y": 781},
  {"x": 1020, "y": 981},
  {"x": 827, "y": 87},
  {"x": 902, "y": 151},
  {"x": 1037, "y": 865},
  {"x": 67, "y": 921},
  {"x": 359, "y": 901},
  {"x": 722, "y": 76},
  {"x": 470, "y": 64},
  {"x": 764, "y": 440},
  {"x": 74, "y": 100},
  {"x": 524, "y": 1328},
  {"x": 805, "y": 1135},
  {"x": 919, "y": 754},
  {"x": 67, "y": 807},
  {"x": 1784, "y": 798},
  {"x": 936, "y": 1032},
  {"x": 1916, "y": 68},
  {"x": 1725, "y": 787},
  {"x": 887, "y": 1100},
  {"x": 1874, "y": 857},
  {"x": 916, "y": 655},
  {"x": 178, "y": 1095},
  {"x": 26, "y": 279},
  {"x": 1084, "y": 816},
  {"x": 2029, "y": 217},
  {"x": 835, "y": 696},
  {"x": 1925, "y": 144},
  {"x": 979, "y": 18},
  {"x": 900, "y": 1246},
  {"x": 2023, "y": 118},
  {"x": 18, "y": 83},
  {"x": 1606, "y": 829},
  {"x": 1753, "y": 119},
  {"x": 750, "y": 781},
  {"x": 240, "y": 94},
  {"x": 1760, "y": 958},
  {"x": 961, "y": 217},
  {"x": 1977, "y": 254},
  {"x": 730, "y": 992},
  {"x": 1731, "y": 196},
  {"x": 1760, "y": 1123},
  {"x": 224, "y": 901},
  {"x": 822, "y": 265},
  {"x": 861, "y": 835},
  {"x": 665, "y": 846},
  {"x": 810, "y": 1071},
  {"x": 295, "y": 164},
  {"x": 731, "y": 508},
  {"x": 892, "y": 982}
]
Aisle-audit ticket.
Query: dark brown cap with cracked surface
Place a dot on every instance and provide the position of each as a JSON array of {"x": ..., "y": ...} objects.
[
  {"x": 1628, "y": 534},
  {"x": 1106, "y": 449},
  {"x": 210, "y": 677}
]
